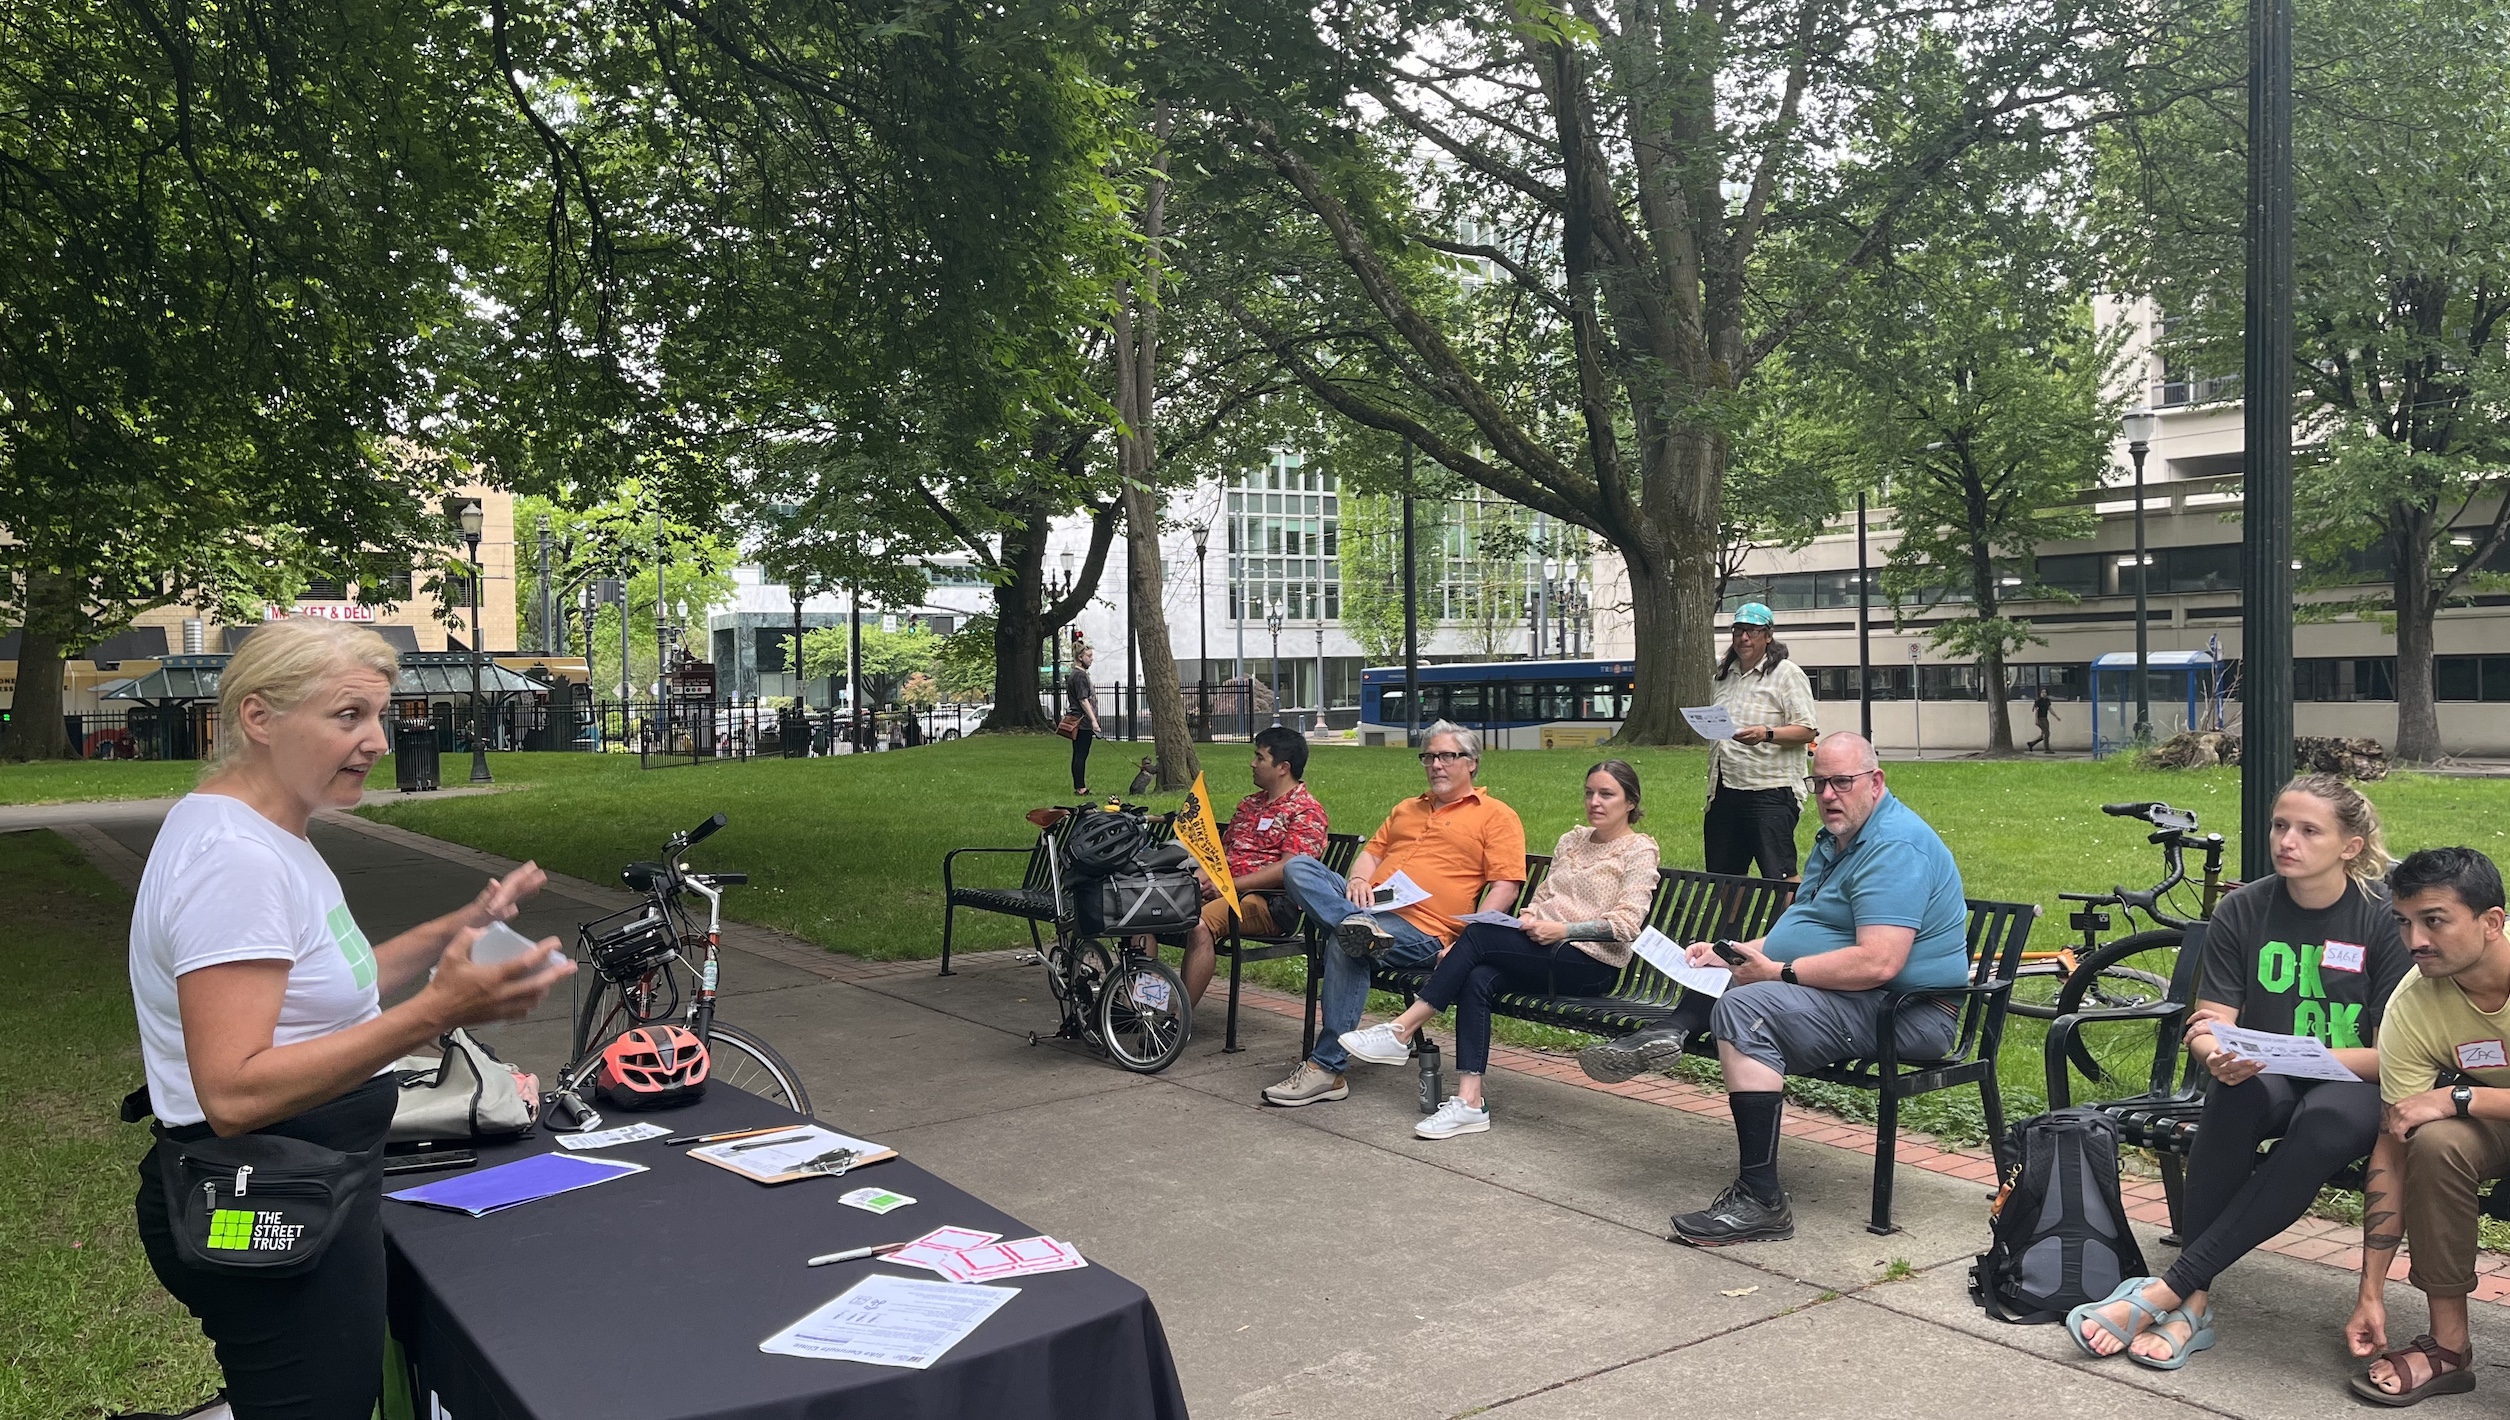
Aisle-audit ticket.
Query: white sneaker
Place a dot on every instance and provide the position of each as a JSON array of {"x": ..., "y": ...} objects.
[
  {"x": 1378, "y": 1045},
  {"x": 1453, "y": 1118}
]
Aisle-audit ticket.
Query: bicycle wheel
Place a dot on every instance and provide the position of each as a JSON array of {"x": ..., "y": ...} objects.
[
  {"x": 2131, "y": 971},
  {"x": 1143, "y": 1016},
  {"x": 742, "y": 1060},
  {"x": 2036, "y": 984}
]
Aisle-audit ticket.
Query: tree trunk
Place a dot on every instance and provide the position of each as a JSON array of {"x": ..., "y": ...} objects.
[
  {"x": 1673, "y": 594},
  {"x": 1172, "y": 737},
  {"x": 35, "y": 730},
  {"x": 1991, "y": 673},
  {"x": 1019, "y": 632},
  {"x": 2418, "y": 714}
]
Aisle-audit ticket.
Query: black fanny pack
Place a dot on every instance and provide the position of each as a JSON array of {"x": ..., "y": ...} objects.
[{"x": 268, "y": 1204}]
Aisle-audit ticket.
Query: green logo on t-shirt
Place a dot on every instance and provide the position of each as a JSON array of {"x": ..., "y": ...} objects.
[
  {"x": 352, "y": 944},
  {"x": 2280, "y": 968}
]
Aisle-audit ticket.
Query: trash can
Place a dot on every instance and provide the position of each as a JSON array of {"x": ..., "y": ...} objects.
[{"x": 414, "y": 756}]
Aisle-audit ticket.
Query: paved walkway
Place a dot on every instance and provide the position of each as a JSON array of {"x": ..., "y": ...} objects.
[{"x": 1323, "y": 1262}]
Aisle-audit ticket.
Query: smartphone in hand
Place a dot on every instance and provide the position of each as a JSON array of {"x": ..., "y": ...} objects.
[{"x": 1726, "y": 952}]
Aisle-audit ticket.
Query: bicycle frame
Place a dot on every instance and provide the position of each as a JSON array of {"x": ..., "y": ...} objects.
[{"x": 701, "y": 954}]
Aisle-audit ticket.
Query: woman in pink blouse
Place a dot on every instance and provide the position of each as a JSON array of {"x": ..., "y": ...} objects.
[{"x": 1594, "y": 900}]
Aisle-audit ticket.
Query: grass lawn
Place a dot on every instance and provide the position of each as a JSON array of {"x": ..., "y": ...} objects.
[
  {"x": 68, "y": 780},
  {"x": 84, "y": 1328}
]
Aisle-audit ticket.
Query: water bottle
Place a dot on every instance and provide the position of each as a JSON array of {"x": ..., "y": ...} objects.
[{"x": 1425, "y": 1055}]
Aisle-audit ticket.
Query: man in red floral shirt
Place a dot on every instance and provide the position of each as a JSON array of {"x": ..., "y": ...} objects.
[{"x": 1280, "y": 818}]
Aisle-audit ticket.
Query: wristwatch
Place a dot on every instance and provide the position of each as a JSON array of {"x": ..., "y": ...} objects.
[
  {"x": 1786, "y": 973},
  {"x": 2463, "y": 1096}
]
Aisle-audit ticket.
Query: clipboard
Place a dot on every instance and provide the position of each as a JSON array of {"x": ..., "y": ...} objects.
[{"x": 775, "y": 1156}]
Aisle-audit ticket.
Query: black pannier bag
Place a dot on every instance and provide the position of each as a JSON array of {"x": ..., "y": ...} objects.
[
  {"x": 2061, "y": 1231},
  {"x": 1161, "y": 900}
]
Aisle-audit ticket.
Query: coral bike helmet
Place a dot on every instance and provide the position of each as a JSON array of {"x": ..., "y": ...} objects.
[{"x": 652, "y": 1067}]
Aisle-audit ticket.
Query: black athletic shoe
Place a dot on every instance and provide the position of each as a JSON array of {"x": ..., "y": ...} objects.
[
  {"x": 1736, "y": 1217},
  {"x": 1613, "y": 1061}
]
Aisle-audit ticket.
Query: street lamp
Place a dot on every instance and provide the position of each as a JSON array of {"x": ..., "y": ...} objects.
[
  {"x": 474, "y": 519},
  {"x": 1272, "y": 623},
  {"x": 1316, "y": 604},
  {"x": 2138, "y": 425},
  {"x": 1202, "y": 617},
  {"x": 1057, "y": 591}
]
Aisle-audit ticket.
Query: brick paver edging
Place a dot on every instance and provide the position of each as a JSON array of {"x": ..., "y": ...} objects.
[{"x": 2320, "y": 1240}]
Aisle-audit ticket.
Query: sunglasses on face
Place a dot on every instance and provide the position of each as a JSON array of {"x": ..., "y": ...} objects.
[{"x": 1835, "y": 783}]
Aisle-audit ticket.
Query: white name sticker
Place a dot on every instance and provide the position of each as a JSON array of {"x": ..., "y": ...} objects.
[
  {"x": 1263, "y": 825},
  {"x": 2482, "y": 1055},
  {"x": 2340, "y": 956}
]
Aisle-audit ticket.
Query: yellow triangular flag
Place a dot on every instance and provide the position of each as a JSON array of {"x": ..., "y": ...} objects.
[{"x": 1200, "y": 833}]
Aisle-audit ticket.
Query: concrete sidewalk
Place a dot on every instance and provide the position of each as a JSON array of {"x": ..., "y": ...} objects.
[{"x": 1324, "y": 1262}]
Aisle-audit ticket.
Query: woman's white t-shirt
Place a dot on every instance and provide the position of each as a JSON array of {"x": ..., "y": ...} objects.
[{"x": 225, "y": 884}]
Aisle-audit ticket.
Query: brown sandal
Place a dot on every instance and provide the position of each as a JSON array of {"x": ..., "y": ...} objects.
[{"x": 2452, "y": 1374}]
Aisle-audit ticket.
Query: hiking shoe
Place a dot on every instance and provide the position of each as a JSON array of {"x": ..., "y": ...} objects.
[
  {"x": 1361, "y": 936},
  {"x": 1453, "y": 1118},
  {"x": 1307, "y": 1084},
  {"x": 1378, "y": 1045},
  {"x": 1736, "y": 1217},
  {"x": 1613, "y": 1061}
]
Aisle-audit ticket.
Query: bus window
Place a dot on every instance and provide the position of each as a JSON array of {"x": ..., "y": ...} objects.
[
  {"x": 1466, "y": 705},
  {"x": 1594, "y": 702}
]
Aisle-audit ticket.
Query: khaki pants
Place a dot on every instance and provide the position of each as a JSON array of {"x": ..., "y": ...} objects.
[
  {"x": 2446, "y": 1161},
  {"x": 1254, "y": 919}
]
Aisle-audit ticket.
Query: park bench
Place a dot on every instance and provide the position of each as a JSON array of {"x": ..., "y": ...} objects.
[
  {"x": 2162, "y": 1117},
  {"x": 1693, "y": 906},
  {"x": 1303, "y": 940}
]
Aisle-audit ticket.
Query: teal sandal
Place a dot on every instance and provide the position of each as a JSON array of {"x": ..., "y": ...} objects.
[
  {"x": 2200, "y": 1338},
  {"x": 2129, "y": 1292}
]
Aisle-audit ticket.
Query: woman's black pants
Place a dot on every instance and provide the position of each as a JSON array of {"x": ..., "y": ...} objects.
[
  {"x": 1080, "y": 756},
  {"x": 2235, "y": 1199},
  {"x": 1489, "y": 959},
  {"x": 308, "y": 1347}
]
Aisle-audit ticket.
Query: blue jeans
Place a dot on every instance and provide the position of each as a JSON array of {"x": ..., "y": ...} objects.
[{"x": 1319, "y": 892}]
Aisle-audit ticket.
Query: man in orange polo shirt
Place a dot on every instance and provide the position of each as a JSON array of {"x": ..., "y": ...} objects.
[{"x": 1451, "y": 843}]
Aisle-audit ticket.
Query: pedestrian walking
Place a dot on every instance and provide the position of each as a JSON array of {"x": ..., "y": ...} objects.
[{"x": 2042, "y": 710}]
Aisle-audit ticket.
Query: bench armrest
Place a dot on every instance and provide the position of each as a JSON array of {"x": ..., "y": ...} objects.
[
  {"x": 949, "y": 860},
  {"x": 2061, "y": 1032}
]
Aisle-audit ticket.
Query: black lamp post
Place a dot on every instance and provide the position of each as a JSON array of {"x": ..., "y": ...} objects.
[
  {"x": 1056, "y": 591},
  {"x": 2139, "y": 425},
  {"x": 2266, "y": 399},
  {"x": 1272, "y": 623},
  {"x": 474, "y": 518},
  {"x": 1864, "y": 630},
  {"x": 1411, "y": 618},
  {"x": 1202, "y": 616}
]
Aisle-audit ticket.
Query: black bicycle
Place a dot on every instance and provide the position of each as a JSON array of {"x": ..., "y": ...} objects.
[
  {"x": 2132, "y": 970},
  {"x": 651, "y": 963},
  {"x": 1118, "y": 1000}
]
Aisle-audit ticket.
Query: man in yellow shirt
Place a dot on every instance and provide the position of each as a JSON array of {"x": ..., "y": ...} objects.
[{"x": 2444, "y": 1076}]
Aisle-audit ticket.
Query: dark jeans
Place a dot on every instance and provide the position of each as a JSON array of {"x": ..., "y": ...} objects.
[
  {"x": 1489, "y": 959},
  {"x": 308, "y": 1347},
  {"x": 2236, "y": 1200},
  {"x": 1080, "y": 755},
  {"x": 1747, "y": 826}
]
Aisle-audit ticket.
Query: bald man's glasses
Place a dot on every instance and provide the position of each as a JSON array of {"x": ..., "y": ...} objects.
[{"x": 1835, "y": 783}]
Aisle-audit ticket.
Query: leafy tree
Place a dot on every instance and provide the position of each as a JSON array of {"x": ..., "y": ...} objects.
[
  {"x": 1972, "y": 373},
  {"x": 964, "y": 662},
  {"x": 619, "y": 536},
  {"x": 2401, "y": 293},
  {"x": 1372, "y": 571},
  {"x": 1553, "y": 247},
  {"x": 231, "y": 241},
  {"x": 890, "y": 658}
]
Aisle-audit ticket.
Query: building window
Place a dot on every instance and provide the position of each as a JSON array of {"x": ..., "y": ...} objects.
[
  {"x": 324, "y": 589},
  {"x": 2212, "y": 567},
  {"x": 1281, "y": 543},
  {"x": 2063, "y": 681},
  {"x": 2469, "y": 678},
  {"x": 2075, "y": 573},
  {"x": 2324, "y": 679}
]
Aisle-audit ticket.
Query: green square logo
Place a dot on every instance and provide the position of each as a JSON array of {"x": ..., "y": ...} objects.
[
  {"x": 231, "y": 1229},
  {"x": 352, "y": 944}
]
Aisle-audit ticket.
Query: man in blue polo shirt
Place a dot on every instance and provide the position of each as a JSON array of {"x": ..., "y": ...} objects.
[{"x": 1880, "y": 910}]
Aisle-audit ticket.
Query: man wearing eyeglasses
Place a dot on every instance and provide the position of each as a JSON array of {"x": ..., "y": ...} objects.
[
  {"x": 1756, "y": 779},
  {"x": 1451, "y": 842},
  {"x": 1880, "y": 910}
]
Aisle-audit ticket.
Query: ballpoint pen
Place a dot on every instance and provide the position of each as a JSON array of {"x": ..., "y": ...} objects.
[
  {"x": 727, "y": 1134},
  {"x": 851, "y": 1254},
  {"x": 767, "y": 1143}
]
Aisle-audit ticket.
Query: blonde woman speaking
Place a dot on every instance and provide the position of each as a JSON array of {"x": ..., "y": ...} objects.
[{"x": 260, "y": 1027}]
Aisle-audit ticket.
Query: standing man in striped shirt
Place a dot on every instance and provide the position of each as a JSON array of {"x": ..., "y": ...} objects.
[{"x": 1756, "y": 779}]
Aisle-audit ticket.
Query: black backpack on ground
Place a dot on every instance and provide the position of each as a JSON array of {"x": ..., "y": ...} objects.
[{"x": 2061, "y": 1231}]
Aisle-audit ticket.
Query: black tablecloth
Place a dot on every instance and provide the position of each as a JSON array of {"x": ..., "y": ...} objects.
[{"x": 645, "y": 1298}]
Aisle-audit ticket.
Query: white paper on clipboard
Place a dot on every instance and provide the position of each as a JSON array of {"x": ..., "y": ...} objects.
[{"x": 1667, "y": 956}]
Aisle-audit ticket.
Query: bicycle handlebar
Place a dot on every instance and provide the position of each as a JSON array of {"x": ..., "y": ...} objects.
[{"x": 702, "y": 831}]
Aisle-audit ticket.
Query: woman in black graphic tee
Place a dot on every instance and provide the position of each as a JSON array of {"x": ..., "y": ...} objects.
[{"x": 2312, "y": 951}]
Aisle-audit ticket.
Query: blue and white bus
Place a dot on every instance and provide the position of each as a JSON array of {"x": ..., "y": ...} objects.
[{"x": 1515, "y": 704}]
